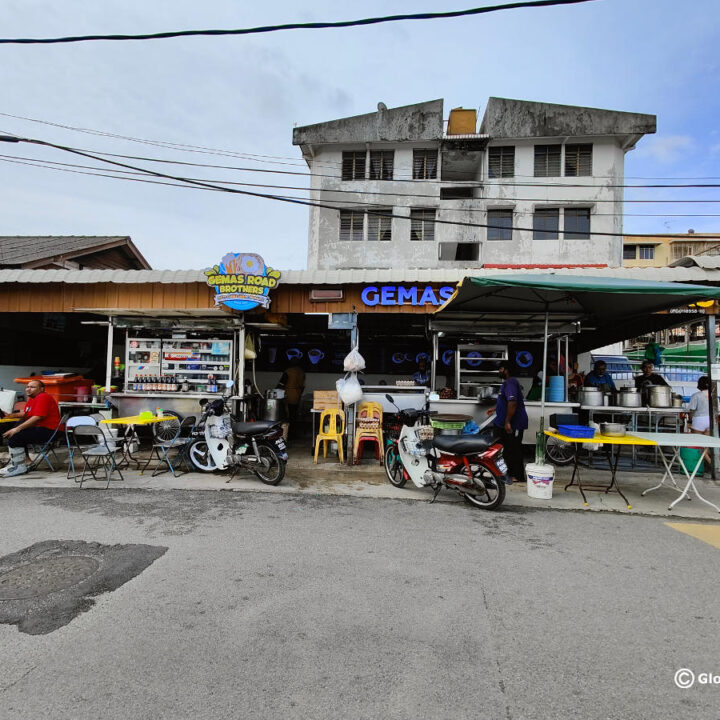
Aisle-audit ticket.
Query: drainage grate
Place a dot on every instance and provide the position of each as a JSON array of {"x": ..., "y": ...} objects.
[{"x": 46, "y": 576}]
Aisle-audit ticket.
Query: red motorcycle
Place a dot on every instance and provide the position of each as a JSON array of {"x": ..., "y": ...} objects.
[{"x": 471, "y": 465}]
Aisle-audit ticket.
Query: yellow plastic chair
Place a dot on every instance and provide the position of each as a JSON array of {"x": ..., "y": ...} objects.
[
  {"x": 368, "y": 428},
  {"x": 332, "y": 428}
]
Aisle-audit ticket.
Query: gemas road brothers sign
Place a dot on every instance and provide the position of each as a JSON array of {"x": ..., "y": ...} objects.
[{"x": 242, "y": 281}]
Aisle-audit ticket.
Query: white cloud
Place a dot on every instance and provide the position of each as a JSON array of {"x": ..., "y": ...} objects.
[{"x": 666, "y": 148}]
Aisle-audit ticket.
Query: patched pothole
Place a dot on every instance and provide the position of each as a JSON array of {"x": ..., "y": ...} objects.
[
  {"x": 46, "y": 576},
  {"x": 46, "y": 585}
]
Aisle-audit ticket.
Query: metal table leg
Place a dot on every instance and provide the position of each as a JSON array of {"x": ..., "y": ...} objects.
[{"x": 691, "y": 484}]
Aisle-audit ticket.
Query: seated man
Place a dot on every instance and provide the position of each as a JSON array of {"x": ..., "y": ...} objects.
[{"x": 35, "y": 425}]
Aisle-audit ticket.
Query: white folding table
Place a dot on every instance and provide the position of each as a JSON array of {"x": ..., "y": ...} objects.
[{"x": 677, "y": 441}]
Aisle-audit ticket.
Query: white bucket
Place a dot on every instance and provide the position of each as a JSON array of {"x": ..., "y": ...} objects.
[{"x": 539, "y": 480}]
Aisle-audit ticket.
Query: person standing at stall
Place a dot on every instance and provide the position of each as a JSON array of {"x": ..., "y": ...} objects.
[
  {"x": 422, "y": 376},
  {"x": 600, "y": 378},
  {"x": 699, "y": 407},
  {"x": 293, "y": 382},
  {"x": 511, "y": 419}
]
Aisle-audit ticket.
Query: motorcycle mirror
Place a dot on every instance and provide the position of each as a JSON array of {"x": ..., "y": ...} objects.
[{"x": 389, "y": 398}]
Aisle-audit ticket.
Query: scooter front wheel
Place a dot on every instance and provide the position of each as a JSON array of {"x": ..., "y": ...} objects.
[
  {"x": 394, "y": 467},
  {"x": 200, "y": 456},
  {"x": 492, "y": 497}
]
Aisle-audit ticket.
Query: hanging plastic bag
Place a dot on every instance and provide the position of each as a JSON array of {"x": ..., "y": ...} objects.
[
  {"x": 592, "y": 447},
  {"x": 354, "y": 361},
  {"x": 351, "y": 390},
  {"x": 250, "y": 353}
]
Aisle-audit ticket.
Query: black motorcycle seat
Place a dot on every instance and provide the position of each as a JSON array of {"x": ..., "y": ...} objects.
[
  {"x": 461, "y": 444},
  {"x": 253, "y": 428}
]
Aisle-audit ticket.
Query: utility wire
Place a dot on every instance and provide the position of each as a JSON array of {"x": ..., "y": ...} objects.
[
  {"x": 65, "y": 167},
  {"x": 184, "y": 147},
  {"x": 297, "y": 26},
  {"x": 504, "y": 182},
  {"x": 295, "y": 201},
  {"x": 326, "y": 191}
]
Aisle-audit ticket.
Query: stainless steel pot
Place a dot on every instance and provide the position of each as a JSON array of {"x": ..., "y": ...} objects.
[
  {"x": 660, "y": 396},
  {"x": 613, "y": 429},
  {"x": 677, "y": 400},
  {"x": 629, "y": 397},
  {"x": 590, "y": 396},
  {"x": 273, "y": 409}
]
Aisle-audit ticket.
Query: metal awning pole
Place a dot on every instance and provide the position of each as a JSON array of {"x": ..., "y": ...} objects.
[
  {"x": 540, "y": 439},
  {"x": 567, "y": 369},
  {"x": 109, "y": 364},
  {"x": 712, "y": 390},
  {"x": 240, "y": 360}
]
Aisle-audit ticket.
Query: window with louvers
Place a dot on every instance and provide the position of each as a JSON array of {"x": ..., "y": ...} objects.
[
  {"x": 578, "y": 160},
  {"x": 351, "y": 224},
  {"x": 629, "y": 252},
  {"x": 381, "y": 164},
  {"x": 425, "y": 164},
  {"x": 422, "y": 224},
  {"x": 499, "y": 224},
  {"x": 547, "y": 160},
  {"x": 577, "y": 223},
  {"x": 647, "y": 252},
  {"x": 501, "y": 162},
  {"x": 546, "y": 224},
  {"x": 380, "y": 224},
  {"x": 353, "y": 165}
]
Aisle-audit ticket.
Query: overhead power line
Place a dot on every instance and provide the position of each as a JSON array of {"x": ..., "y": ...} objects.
[
  {"x": 271, "y": 159},
  {"x": 365, "y": 193},
  {"x": 327, "y": 191},
  {"x": 295, "y": 201},
  {"x": 297, "y": 26},
  {"x": 92, "y": 171}
]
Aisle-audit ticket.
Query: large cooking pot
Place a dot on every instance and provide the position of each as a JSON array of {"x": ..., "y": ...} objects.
[
  {"x": 273, "y": 409},
  {"x": 629, "y": 397},
  {"x": 590, "y": 396},
  {"x": 660, "y": 396}
]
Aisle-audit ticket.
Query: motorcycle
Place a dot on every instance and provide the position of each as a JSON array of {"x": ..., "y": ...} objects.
[
  {"x": 220, "y": 442},
  {"x": 471, "y": 465}
]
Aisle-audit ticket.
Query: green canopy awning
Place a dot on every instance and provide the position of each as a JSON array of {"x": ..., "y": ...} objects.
[{"x": 567, "y": 294}]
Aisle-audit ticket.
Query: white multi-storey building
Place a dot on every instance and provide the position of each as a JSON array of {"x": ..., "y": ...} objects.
[{"x": 536, "y": 185}]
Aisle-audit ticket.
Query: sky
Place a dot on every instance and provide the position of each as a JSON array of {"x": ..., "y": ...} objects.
[{"x": 239, "y": 97}]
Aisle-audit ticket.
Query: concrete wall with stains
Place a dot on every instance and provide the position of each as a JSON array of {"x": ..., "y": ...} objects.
[{"x": 323, "y": 146}]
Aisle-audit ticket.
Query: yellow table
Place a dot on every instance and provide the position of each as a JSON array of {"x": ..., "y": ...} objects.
[
  {"x": 606, "y": 441},
  {"x": 130, "y": 437},
  {"x": 137, "y": 420}
]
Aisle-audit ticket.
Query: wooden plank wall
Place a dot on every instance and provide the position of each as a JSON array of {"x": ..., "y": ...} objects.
[{"x": 71, "y": 297}]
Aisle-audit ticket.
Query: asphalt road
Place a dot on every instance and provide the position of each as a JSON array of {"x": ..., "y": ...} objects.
[{"x": 289, "y": 606}]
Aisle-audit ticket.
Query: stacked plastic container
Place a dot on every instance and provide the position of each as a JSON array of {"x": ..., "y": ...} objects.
[{"x": 555, "y": 391}]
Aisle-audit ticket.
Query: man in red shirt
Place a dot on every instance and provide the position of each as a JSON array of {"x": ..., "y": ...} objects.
[{"x": 36, "y": 424}]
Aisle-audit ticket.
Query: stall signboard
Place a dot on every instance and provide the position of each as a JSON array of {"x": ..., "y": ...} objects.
[
  {"x": 400, "y": 295},
  {"x": 242, "y": 281}
]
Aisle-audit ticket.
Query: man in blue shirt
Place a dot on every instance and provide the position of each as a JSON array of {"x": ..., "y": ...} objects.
[
  {"x": 512, "y": 420},
  {"x": 600, "y": 378}
]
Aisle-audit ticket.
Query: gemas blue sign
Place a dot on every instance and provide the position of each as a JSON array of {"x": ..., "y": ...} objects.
[
  {"x": 242, "y": 281},
  {"x": 398, "y": 295}
]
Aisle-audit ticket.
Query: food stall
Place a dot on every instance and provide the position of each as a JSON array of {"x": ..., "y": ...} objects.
[{"x": 174, "y": 373}]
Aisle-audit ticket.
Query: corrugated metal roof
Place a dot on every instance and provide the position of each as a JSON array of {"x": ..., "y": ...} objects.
[
  {"x": 706, "y": 262},
  {"x": 358, "y": 277},
  {"x": 20, "y": 249}
]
